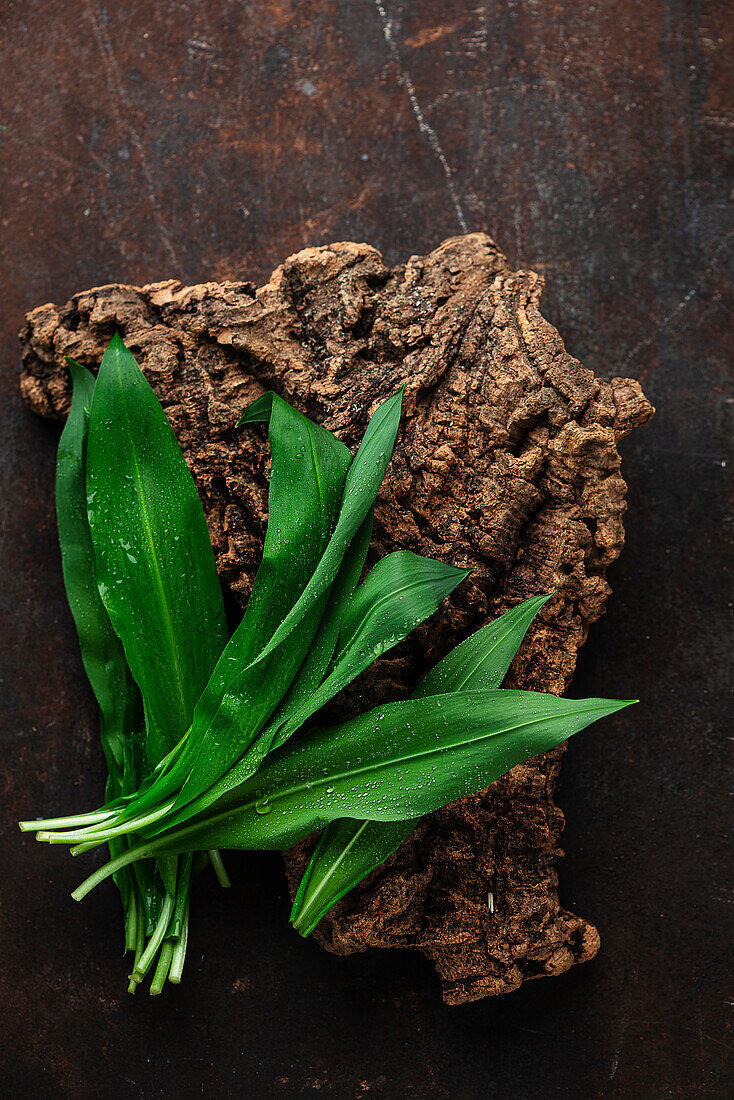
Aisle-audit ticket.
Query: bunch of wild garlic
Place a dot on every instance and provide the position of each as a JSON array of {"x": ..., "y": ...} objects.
[{"x": 197, "y": 728}]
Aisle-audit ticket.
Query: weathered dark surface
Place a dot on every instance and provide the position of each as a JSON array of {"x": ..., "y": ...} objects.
[
  {"x": 594, "y": 143},
  {"x": 506, "y": 462}
]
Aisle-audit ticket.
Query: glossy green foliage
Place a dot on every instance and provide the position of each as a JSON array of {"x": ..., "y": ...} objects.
[
  {"x": 308, "y": 470},
  {"x": 222, "y": 768},
  {"x": 361, "y": 487},
  {"x": 305, "y": 684},
  {"x": 318, "y": 660},
  {"x": 395, "y": 762},
  {"x": 319, "y": 499},
  {"x": 348, "y": 850},
  {"x": 102, "y": 653},
  {"x": 482, "y": 659},
  {"x": 150, "y": 497},
  {"x": 400, "y": 592},
  {"x": 122, "y": 729},
  {"x": 259, "y": 411},
  {"x": 154, "y": 562}
]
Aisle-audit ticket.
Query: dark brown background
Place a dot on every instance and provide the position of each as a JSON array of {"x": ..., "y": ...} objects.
[{"x": 211, "y": 139}]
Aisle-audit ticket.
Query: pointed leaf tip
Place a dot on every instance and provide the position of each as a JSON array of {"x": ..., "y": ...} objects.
[{"x": 258, "y": 411}]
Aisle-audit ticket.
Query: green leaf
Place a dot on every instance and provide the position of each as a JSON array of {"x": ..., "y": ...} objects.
[
  {"x": 482, "y": 659},
  {"x": 122, "y": 728},
  {"x": 400, "y": 592},
  {"x": 304, "y": 685},
  {"x": 362, "y": 486},
  {"x": 154, "y": 562},
  {"x": 393, "y": 763},
  {"x": 308, "y": 470},
  {"x": 348, "y": 850},
  {"x": 318, "y": 659},
  {"x": 101, "y": 649},
  {"x": 259, "y": 411},
  {"x": 302, "y": 556},
  {"x": 155, "y": 571}
]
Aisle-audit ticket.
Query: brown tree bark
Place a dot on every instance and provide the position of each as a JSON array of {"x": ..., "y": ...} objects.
[{"x": 506, "y": 461}]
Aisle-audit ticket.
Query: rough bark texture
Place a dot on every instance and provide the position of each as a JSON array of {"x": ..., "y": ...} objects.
[{"x": 506, "y": 461}]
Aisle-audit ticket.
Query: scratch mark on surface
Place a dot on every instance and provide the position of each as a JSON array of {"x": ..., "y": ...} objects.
[
  {"x": 615, "y": 1065},
  {"x": 704, "y": 1037},
  {"x": 722, "y": 119},
  {"x": 618, "y": 1051},
  {"x": 114, "y": 83},
  {"x": 689, "y": 296},
  {"x": 425, "y": 127},
  {"x": 681, "y": 305}
]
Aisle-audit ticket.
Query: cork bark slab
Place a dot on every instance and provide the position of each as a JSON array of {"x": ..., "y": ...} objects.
[{"x": 506, "y": 461}]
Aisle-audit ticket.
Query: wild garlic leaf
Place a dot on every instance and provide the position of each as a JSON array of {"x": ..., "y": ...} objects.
[
  {"x": 312, "y": 671},
  {"x": 155, "y": 569},
  {"x": 306, "y": 682},
  {"x": 395, "y": 762},
  {"x": 154, "y": 562},
  {"x": 482, "y": 659},
  {"x": 258, "y": 411},
  {"x": 348, "y": 850},
  {"x": 122, "y": 727},
  {"x": 360, "y": 490},
  {"x": 308, "y": 470},
  {"x": 251, "y": 678},
  {"x": 400, "y": 592},
  {"x": 101, "y": 649}
]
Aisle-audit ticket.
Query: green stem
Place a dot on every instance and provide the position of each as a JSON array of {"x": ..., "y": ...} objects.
[
  {"x": 161, "y": 971},
  {"x": 183, "y": 889},
  {"x": 139, "y": 947},
  {"x": 79, "y": 849},
  {"x": 95, "y": 836},
  {"x": 141, "y": 851},
  {"x": 219, "y": 869},
  {"x": 179, "y": 948},
  {"x": 131, "y": 923},
  {"x": 66, "y": 822},
  {"x": 144, "y": 963}
]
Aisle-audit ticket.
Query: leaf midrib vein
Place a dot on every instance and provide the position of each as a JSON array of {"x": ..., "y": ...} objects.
[
  {"x": 326, "y": 780},
  {"x": 373, "y": 609},
  {"x": 339, "y": 860},
  {"x": 158, "y": 576}
]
